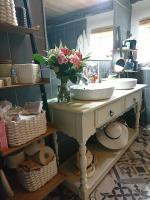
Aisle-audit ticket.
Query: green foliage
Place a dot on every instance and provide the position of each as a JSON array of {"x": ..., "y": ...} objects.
[
  {"x": 67, "y": 64},
  {"x": 40, "y": 59}
]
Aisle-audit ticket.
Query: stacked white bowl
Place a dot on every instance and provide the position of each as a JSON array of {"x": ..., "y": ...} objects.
[{"x": 8, "y": 12}]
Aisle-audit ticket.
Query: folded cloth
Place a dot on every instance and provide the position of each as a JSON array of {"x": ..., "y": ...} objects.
[
  {"x": 5, "y": 106},
  {"x": 13, "y": 114},
  {"x": 30, "y": 165},
  {"x": 34, "y": 107}
]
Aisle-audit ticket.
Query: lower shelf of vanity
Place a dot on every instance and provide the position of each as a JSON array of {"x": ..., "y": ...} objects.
[{"x": 105, "y": 160}]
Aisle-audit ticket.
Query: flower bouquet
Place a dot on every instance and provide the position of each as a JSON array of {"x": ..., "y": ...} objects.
[{"x": 67, "y": 64}]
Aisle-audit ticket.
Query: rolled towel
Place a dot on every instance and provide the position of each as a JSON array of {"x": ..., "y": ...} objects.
[{"x": 44, "y": 156}]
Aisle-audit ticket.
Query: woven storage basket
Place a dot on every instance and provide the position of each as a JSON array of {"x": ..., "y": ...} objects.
[
  {"x": 35, "y": 179},
  {"x": 20, "y": 132},
  {"x": 27, "y": 73}
]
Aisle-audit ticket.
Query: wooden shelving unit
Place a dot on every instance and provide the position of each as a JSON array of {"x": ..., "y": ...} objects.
[
  {"x": 105, "y": 159},
  {"x": 5, "y": 152},
  {"x": 21, "y": 194},
  {"x": 42, "y": 82},
  {"x": 41, "y": 193},
  {"x": 18, "y": 29}
]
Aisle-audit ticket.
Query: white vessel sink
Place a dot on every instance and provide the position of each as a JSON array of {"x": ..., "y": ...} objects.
[
  {"x": 95, "y": 91},
  {"x": 125, "y": 83}
]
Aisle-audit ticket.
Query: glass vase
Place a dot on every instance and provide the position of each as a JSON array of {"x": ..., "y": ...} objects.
[{"x": 63, "y": 92}]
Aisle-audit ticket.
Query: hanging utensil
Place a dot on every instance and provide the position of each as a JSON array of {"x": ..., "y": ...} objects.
[
  {"x": 121, "y": 61},
  {"x": 119, "y": 66},
  {"x": 119, "y": 40}
]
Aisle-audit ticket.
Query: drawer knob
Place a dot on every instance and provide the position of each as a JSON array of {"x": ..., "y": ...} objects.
[{"x": 111, "y": 113}]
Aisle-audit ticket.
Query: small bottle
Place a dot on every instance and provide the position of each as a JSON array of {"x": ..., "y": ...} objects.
[
  {"x": 135, "y": 68},
  {"x": 13, "y": 75},
  {"x": 130, "y": 62},
  {"x": 134, "y": 63},
  {"x": 94, "y": 78}
]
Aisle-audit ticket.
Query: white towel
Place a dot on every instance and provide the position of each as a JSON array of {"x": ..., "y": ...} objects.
[{"x": 82, "y": 43}]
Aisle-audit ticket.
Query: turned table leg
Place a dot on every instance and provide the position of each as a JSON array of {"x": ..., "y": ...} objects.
[
  {"x": 83, "y": 174},
  {"x": 137, "y": 108}
]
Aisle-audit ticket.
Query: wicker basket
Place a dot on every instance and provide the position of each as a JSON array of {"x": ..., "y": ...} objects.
[
  {"x": 35, "y": 179},
  {"x": 27, "y": 73},
  {"x": 23, "y": 131}
]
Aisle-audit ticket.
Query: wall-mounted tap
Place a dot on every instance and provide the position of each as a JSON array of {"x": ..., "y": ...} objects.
[{"x": 84, "y": 80}]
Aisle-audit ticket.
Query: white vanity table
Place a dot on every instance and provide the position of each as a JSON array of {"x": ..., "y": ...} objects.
[{"x": 80, "y": 119}]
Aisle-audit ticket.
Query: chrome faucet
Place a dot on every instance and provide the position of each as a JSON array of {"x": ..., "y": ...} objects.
[{"x": 84, "y": 80}]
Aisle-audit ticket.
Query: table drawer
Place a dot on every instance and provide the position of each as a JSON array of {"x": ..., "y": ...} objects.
[
  {"x": 108, "y": 112},
  {"x": 133, "y": 98}
]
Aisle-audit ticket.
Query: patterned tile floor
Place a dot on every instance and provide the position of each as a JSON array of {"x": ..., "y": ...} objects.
[{"x": 129, "y": 179}]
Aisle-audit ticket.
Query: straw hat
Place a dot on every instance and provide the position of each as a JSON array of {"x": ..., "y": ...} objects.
[
  {"x": 89, "y": 157},
  {"x": 90, "y": 169},
  {"x": 114, "y": 136}
]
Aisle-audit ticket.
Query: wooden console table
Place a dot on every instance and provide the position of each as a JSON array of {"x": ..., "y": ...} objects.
[{"x": 80, "y": 119}]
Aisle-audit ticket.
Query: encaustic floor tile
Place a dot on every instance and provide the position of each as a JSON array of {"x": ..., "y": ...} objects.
[{"x": 129, "y": 179}]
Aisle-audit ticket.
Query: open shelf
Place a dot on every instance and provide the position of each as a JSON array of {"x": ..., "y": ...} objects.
[
  {"x": 130, "y": 71},
  {"x": 105, "y": 160},
  {"x": 21, "y": 194},
  {"x": 18, "y": 29},
  {"x": 5, "y": 152},
  {"x": 125, "y": 49},
  {"x": 43, "y": 81}
]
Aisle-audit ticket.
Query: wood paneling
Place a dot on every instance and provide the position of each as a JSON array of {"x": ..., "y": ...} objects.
[
  {"x": 57, "y": 8},
  {"x": 145, "y": 22},
  {"x": 102, "y": 29}
]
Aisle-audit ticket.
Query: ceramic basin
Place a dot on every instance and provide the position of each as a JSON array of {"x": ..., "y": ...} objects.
[
  {"x": 95, "y": 91},
  {"x": 125, "y": 83}
]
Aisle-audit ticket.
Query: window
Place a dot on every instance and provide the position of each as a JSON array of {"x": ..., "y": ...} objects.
[
  {"x": 101, "y": 43},
  {"x": 144, "y": 41}
]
